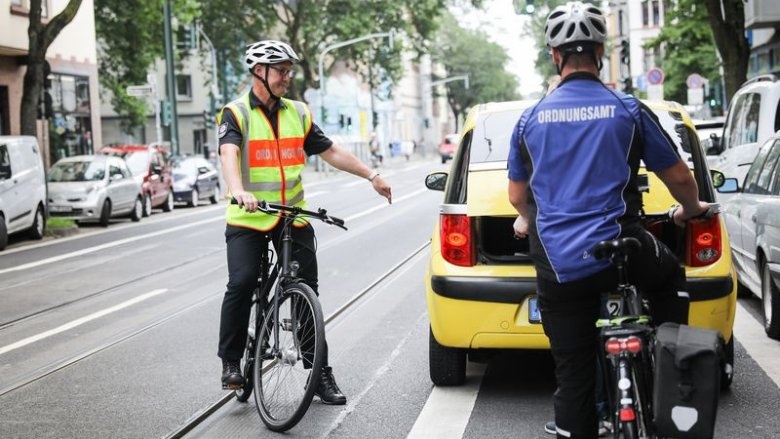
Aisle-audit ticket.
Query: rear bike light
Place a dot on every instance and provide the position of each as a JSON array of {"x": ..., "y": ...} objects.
[
  {"x": 612, "y": 346},
  {"x": 633, "y": 344},
  {"x": 703, "y": 242},
  {"x": 457, "y": 243},
  {"x": 627, "y": 414}
]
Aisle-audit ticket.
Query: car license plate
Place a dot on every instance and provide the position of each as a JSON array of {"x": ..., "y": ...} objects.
[
  {"x": 534, "y": 316},
  {"x": 59, "y": 208},
  {"x": 613, "y": 305}
]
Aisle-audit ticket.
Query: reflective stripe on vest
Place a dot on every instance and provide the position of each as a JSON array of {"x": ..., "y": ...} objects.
[{"x": 270, "y": 167}]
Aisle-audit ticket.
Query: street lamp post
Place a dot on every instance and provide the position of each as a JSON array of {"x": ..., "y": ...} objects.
[
  {"x": 214, "y": 88},
  {"x": 338, "y": 45}
]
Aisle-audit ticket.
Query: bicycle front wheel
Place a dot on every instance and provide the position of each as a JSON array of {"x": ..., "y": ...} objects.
[{"x": 289, "y": 356}]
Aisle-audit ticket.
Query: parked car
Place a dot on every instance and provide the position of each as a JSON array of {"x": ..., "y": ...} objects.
[
  {"x": 709, "y": 131},
  {"x": 195, "y": 179},
  {"x": 151, "y": 165},
  {"x": 448, "y": 146},
  {"x": 480, "y": 281},
  {"x": 89, "y": 188},
  {"x": 753, "y": 117},
  {"x": 753, "y": 222},
  {"x": 22, "y": 188}
]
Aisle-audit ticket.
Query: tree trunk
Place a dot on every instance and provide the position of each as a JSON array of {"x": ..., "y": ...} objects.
[
  {"x": 728, "y": 28},
  {"x": 40, "y": 37}
]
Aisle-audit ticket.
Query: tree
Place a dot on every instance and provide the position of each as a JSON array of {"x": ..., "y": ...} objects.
[
  {"x": 463, "y": 51},
  {"x": 727, "y": 19},
  {"x": 130, "y": 39},
  {"x": 687, "y": 44},
  {"x": 40, "y": 38}
]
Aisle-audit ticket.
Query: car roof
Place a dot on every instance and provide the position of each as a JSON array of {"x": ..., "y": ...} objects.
[{"x": 84, "y": 158}]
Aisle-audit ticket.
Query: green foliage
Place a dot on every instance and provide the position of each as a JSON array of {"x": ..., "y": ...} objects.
[
  {"x": 463, "y": 51},
  {"x": 687, "y": 44},
  {"x": 59, "y": 223}
]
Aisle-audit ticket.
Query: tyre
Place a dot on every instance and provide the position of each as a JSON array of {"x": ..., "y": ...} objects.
[
  {"x": 105, "y": 213},
  {"x": 3, "y": 234},
  {"x": 447, "y": 366},
  {"x": 248, "y": 362},
  {"x": 215, "y": 197},
  {"x": 168, "y": 206},
  {"x": 147, "y": 205},
  {"x": 287, "y": 373},
  {"x": 195, "y": 198},
  {"x": 770, "y": 299},
  {"x": 39, "y": 224},
  {"x": 138, "y": 210},
  {"x": 727, "y": 374}
]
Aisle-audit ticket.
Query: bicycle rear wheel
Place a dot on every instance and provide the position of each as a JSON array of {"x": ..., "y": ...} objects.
[
  {"x": 247, "y": 363},
  {"x": 287, "y": 372}
]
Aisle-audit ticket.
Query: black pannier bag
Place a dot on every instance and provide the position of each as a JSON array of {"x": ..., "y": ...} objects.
[{"x": 687, "y": 381}]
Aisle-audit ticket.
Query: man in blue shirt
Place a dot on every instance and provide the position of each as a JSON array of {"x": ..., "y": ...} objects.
[{"x": 573, "y": 166}]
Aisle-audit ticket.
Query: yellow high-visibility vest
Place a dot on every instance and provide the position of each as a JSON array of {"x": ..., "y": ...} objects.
[{"x": 270, "y": 166}]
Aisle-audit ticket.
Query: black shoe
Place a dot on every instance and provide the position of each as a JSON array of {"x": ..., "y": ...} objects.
[
  {"x": 549, "y": 427},
  {"x": 231, "y": 375},
  {"x": 605, "y": 428},
  {"x": 328, "y": 391}
]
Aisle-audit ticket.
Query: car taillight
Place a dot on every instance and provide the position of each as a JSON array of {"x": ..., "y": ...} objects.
[
  {"x": 703, "y": 242},
  {"x": 457, "y": 245}
]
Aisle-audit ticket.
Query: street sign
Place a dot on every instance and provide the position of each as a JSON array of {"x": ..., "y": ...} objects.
[
  {"x": 655, "y": 76},
  {"x": 694, "y": 80},
  {"x": 139, "y": 90},
  {"x": 696, "y": 96},
  {"x": 655, "y": 92}
]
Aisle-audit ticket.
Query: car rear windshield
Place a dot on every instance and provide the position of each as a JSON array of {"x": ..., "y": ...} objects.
[
  {"x": 492, "y": 134},
  {"x": 77, "y": 171}
]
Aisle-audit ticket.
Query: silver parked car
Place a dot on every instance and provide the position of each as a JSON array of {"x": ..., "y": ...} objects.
[
  {"x": 752, "y": 217},
  {"x": 195, "y": 179},
  {"x": 93, "y": 188}
]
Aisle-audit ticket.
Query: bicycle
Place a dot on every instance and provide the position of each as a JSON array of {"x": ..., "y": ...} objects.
[
  {"x": 286, "y": 340},
  {"x": 626, "y": 356}
]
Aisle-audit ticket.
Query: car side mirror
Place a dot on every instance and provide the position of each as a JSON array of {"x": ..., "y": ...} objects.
[
  {"x": 116, "y": 177},
  {"x": 436, "y": 181},
  {"x": 714, "y": 148},
  {"x": 156, "y": 169},
  {"x": 729, "y": 186},
  {"x": 717, "y": 178}
]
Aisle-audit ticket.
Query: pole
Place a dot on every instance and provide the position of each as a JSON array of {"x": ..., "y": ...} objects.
[
  {"x": 327, "y": 49},
  {"x": 152, "y": 80},
  {"x": 170, "y": 75},
  {"x": 214, "y": 87}
]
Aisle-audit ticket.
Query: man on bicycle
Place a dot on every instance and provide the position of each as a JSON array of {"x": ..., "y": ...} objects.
[
  {"x": 264, "y": 140},
  {"x": 573, "y": 167}
]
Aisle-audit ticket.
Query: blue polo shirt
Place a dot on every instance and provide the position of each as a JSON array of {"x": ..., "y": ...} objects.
[{"x": 580, "y": 148}]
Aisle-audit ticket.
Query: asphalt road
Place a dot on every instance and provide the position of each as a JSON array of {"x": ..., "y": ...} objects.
[{"x": 113, "y": 333}]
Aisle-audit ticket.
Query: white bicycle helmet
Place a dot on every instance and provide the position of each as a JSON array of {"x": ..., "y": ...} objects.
[
  {"x": 575, "y": 22},
  {"x": 269, "y": 52}
]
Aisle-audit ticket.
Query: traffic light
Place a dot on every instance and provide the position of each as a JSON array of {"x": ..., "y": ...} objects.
[
  {"x": 341, "y": 121},
  {"x": 526, "y": 7},
  {"x": 166, "y": 113},
  {"x": 625, "y": 52},
  {"x": 628, "y": 86},
  {"x": 374, "y": 119},
  {"x": 349, "y": 124}
]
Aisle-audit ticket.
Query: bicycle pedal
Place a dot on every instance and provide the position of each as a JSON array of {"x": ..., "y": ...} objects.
[{"x": 231, "y": 386}]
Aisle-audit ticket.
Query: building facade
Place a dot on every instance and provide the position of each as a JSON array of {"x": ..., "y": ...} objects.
[{"x": 71, "y": 123}]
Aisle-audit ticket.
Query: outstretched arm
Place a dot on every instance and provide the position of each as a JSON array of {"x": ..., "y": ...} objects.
[
  {"x": 684, "y": 189},
  {"x": 344, "y": 160}
]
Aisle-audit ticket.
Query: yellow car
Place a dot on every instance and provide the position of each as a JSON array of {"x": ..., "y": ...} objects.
[{"x": 480, "y": 282}]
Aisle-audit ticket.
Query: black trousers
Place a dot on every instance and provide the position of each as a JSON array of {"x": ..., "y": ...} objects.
[
  {"x": 244, "y": 249},
  {"x": 569, "y": 313}
]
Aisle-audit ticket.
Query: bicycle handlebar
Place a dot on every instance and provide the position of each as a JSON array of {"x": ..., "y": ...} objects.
[{"x": 294, "y": 211}]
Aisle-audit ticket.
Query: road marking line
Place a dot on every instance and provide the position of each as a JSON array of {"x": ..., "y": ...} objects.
[
  {"x": 762, "y": 349},
  {"x": 448, "y": 409},
  {"x": 105, "y": 246},
  {"x": 382, "y": 206},
  {"x": 81, "y": 321}
]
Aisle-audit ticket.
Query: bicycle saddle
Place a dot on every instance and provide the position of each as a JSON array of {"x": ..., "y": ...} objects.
[{"x": 616, "y": 247}]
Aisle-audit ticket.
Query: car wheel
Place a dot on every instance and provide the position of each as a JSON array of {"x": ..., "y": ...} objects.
[
  {"x": 771, "y": 302},
  {"x": 39, "y": 224},
  {"x": 3, "y": 233},
  {"x": 147, "y": 210},
  {"x": 138, "y": 210},
  {"x": 727, "y": 374},
  {"x": 105, "y": 213},
  {"x": 195, "y": 198},
  {"x": 447, "y": 365},
  {"x": 168, "y": 206},
  {"x": 215, "y": 198}
]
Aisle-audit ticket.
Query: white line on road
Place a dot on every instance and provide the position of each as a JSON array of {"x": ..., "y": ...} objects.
[
  {"x": 383, "y": 205},
  {"x": 105, "y": 246},
  {"x": 448, "y": 409},
  {"x": 81, "y": 321},
  {"x": 750, "y": 334}
]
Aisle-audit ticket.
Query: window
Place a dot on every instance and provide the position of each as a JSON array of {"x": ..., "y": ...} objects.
[
  {"x": 645, "y": 13},
  {"x": 751, "y": 179},
  {"x": 22, "y": 7},
  {"x": 733, "y": 114},
  {"x": 114, "y": 170},
  {"x": 5, "y": 162},
  {"x": 768, "y": 170},
  {"x": 620, "y": 22},
  {"x": 749, "y": 132},
  {"x": 656, "y": 13},
  {"x": 183, "y": 87}
]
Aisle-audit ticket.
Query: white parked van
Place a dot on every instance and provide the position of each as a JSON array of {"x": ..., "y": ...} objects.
[
  {"x": 753, "y": 117},
  {"x": 22, "y": 188}
]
